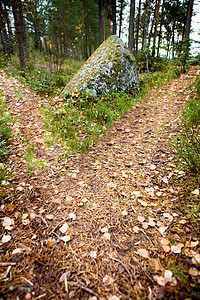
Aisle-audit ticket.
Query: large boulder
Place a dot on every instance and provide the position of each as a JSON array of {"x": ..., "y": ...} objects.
[{"x": 111, "y": 68}]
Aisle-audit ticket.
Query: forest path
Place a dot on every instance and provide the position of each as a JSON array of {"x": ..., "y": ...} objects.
[{"x": 116, "y": 203}]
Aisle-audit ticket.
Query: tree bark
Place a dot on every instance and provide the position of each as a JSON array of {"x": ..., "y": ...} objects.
[
  {"x": 113, "y": 5},
  {"x": 156, "y": 28},
  {"x": 18, "y": 29},
  {"x": 138, "y": 27},
  {"x": 145, "y": 25},
  {"x": 160, "y": 31},
  {"x": 3, "y": 33},
  {"x": 23, "y": 28},
  {"x": 131, "y": 26},
  {"x": 100, "y": 23},
  {"x": 189, "y": 18},
  {"x": 121, "y": 16}
]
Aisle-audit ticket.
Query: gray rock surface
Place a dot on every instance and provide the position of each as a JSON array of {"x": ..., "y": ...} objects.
[{"x": 111, "y": 68}]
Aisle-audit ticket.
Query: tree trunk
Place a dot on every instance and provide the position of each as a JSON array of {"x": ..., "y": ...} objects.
[
  {"x": 100, "y": 23},
  {"x": 113, "y": 5},
  {"x": 3, "y": 33},
  {"x": 23, "y": 28},
  {"x": 121, "y": 16},
  {"x": 18, "y": 29},
  {"x": 156, "y": 28},
  {"x": 131, "y": 26},
  {"x": 145, "y": 25},
  {"x": 189, "y": 18},
  {"x": 160, "y": 31},
  {"x": 138, "y": 27}
]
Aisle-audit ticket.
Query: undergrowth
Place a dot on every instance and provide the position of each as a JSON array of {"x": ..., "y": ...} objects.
[
  {"x": 80, "y": 120},
  {"x": 188, "y": 142},
  {"x": 42, "y": 74},
  {"x": 5, "y": 138}
]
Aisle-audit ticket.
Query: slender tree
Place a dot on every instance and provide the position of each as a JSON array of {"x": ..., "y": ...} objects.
[
  {"x": 100, "y": 23},
  {"x": 121, "y": 16},
  {"x": 131, "y": 40},
  {"x": 18, "y": 30},
  {"x": 160, "y": 30},
  {"x": 138, "y": 27},
  {"x": 3, "y": 33}
]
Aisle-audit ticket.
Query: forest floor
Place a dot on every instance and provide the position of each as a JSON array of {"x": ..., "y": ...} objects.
[{"x": 107, "y": 225}]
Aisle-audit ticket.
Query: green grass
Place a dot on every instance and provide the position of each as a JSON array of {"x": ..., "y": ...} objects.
[
  {"x": 31, "y": 159},
  {"x": 187, "y": 144},
  {"x": 42, "y": 74},
  {"x": 5, "y": 139}
]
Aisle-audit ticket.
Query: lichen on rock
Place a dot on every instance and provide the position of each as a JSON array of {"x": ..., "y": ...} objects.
[{"x": 111, "y": 68}]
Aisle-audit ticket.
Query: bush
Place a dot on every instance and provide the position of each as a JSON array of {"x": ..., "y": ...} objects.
[
  {"x": 5, "y": 136},
  {"x": 188, "y": 143}
]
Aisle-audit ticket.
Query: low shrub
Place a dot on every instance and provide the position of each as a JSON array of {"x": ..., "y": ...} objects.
[{"x": 188, "y": 142}]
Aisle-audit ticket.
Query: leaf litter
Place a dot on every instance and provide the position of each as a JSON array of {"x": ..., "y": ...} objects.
[{"x": 109, "y": 239}]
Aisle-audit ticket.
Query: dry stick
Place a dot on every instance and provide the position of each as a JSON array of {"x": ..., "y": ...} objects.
[
  {"x": 28, "y": 281},
  {"x": 119, "y": 261},
  {"x": 53, "y": 231},
  {"x": 43, "y": 219},
  {"x": 7, "y": 264},
  {"x": 82, "y": 286},
  {"x": 41, "y": 296},
  {"x": 147, "y": 237}
]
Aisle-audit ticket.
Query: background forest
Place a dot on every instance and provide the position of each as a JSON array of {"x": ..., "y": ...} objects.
[{"x": 74, "y": 29}]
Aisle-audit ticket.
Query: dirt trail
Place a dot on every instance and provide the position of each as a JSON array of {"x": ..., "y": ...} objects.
[{"x": 117, "y": 201}]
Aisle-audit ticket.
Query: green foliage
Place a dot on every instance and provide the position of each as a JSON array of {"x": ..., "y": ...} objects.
[
  {"x": 42, "y": 75},
  {"x": 152, "y": 80},
  {"x": 188, "y": 143},
  {"x": 5, "y": 136},
  {"x": 81, "y": 120},
  {"x": 31, "y": 159}
]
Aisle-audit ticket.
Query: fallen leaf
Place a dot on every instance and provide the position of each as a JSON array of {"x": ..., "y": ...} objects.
[
  {"x": 113, "y": 298},
  {"x": 65, "y": 238},
  {"x": 168, "y": 216},
  {"x": 108, "y": 280},
  {"x": 143, "y": 203},
  {"x": 150, "y": 191},
  {"x": 50, "y": 217},
  {"x": 64, "y": 227},
  {"x": 145, "y": 225},
  {"x": 196, "y": 258},
  {"x": 6, "y": 238},
  {"x": 72, "y": 216},
  {"x": 50, "y": 243},
  {"x": 151, "y": 223},
  {"x": 10, "y": 207},
  {"x": 93, "y": 254},
  {"x": 140, "y": 219},
  {"x": 194, "y": 272},
  {"x": 195, "y": 192},
  {"x": 124, "y": 213},
  {"x": 160, "y": 280},
  {"x": 168, "y": 275},
  {"x": 136, "y": 229},
  {"x": 137, "y": 194},
  {"x": 111, "y": 185},
  {"x": 152, "y": 167},
  {"x": 124, "y": 175},
  {"x": 107, "y": 236},
  {"x": 162, "y": 229},
  {"x": 24, "y": 216},
  {"x": 17, "y": 254},
  {"x": 191, "y": 244},
  {"x": 165, "y": 180},
  {"x": 143, "y": 252},
  {"x": 104, "y": 229},
  {"x": 164, "y": 241},
  {"x": 32, "y": 216},
  {"x": 177, "y": 248},
  {"x": 7, "y": 222},
  {"x": 166, "y": 248}
]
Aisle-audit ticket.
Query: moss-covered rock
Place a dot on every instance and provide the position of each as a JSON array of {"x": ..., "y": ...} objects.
[{"x": 111, "y": 68}]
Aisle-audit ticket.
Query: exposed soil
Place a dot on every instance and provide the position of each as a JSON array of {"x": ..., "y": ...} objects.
[{"x": 119, "y": 200}]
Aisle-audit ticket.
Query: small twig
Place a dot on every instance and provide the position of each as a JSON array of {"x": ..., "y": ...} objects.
[
  {"x": 127, "y": 270},
  {"x": 82, "y": 286},
  {"x": 147, "y": 237},
  {"x": 52, "y": 231},
  {"x": 43, "y": 219},
  {"x": 7, "y": 264},
  {"x": 28, "y": 281},
  {"x": 66, "y": 285},
  {"x": 41, "y": 296}
]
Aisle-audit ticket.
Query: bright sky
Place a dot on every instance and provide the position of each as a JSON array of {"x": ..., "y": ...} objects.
[{"x": 195, "y": 35}]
